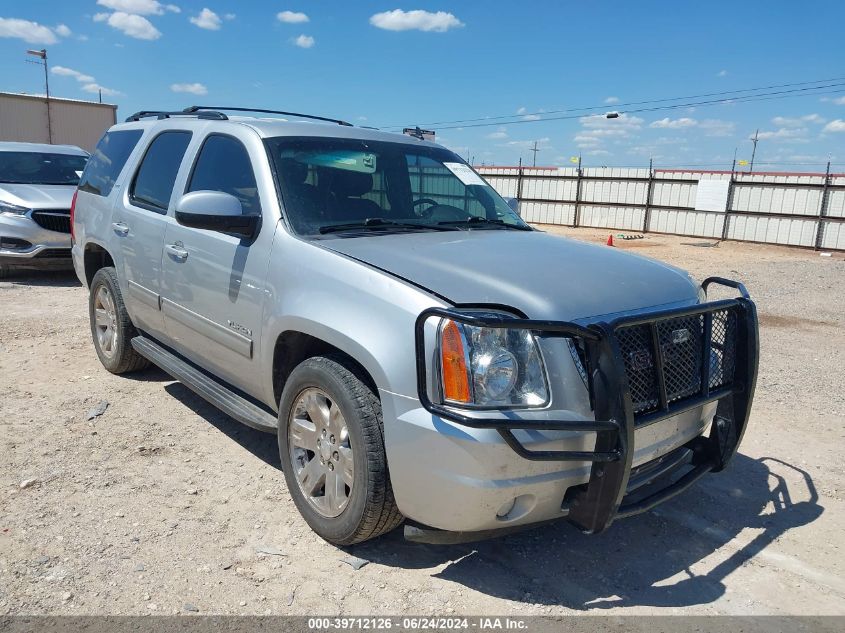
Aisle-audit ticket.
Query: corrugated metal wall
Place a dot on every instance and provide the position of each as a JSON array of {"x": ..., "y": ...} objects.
[
  {"x": 776, "y": 208},
  {"x": 81, "y": 123}
]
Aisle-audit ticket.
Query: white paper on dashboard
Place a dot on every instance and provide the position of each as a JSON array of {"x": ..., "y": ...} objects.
[{"x": 465, "y": 174}]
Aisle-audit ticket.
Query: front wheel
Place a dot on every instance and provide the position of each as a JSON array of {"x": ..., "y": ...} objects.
[{"x": 331, "y": 444}]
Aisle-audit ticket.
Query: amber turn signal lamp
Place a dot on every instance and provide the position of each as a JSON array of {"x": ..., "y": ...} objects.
[{"x": 453, "y": 364}]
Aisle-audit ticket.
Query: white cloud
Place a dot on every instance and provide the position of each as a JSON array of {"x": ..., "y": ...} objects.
[
  {"x": 63, "y": 71},
  {"x": 722, "y": 73},
  {"x": 62, "y": 30},
  {"x": 399, "y": 20},
  {"x": 542, "y": 143},
  {"x": 139, "y": 7},
  {"x": 96, "y": 88},
  {"x": 292, "y": 17},
  {"x": 598, "y": 152},
  {"x": 194, "y": 88},
  {"x": 784, "y": 134},
  {"x": 229, "y": 16},
  {"x": 598, "y": 125},
  {"x": 304, "y": 41},
  {"x": 611, "y": 100},
  {"x": 531, "y": 117},
  {"x": 783, "y": 121},
  {"x": 521, "y": 110},
  {"x": 130, "y": 24},
  {"x": 717, "y": 127},
  {"x": 837, "y": 125},
  {"x": 498, "y": 134},
  {"x": 584, "y": 140},
  {"x": 673, "y": 124},
  {"x": 207, "y": 19},
  {"x": 30, "y": 32},
  {"x": 839, "y": 100}
]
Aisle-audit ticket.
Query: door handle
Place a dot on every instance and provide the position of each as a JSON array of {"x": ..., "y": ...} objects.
[
  {"x": 120, "y": 228},
  {"x": 176, "y": 251}
]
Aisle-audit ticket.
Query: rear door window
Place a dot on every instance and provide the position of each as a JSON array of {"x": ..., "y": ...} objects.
[
  {"x": 108, "y": 160},
  {"x": 153, "y": 184},
  {"x": 223, "y": 165}
]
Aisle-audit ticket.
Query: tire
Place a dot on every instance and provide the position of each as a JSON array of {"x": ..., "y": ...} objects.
[
  {"x": 112, "y": 344},
  {"x": 369, "y": 509}
]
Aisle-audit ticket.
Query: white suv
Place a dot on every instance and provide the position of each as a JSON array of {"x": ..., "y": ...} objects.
[{"x": 419, "y": 350}]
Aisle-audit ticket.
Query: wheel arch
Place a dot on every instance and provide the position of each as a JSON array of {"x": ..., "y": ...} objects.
[
  {"x": 95, "y": 257},
  {"x": 293, "y": 346}
]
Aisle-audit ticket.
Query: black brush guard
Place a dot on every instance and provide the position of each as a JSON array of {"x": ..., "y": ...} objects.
[{"x": 595, "y": 505}]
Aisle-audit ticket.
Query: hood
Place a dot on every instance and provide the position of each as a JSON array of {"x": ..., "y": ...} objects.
[
  {"x": 544, "y": 276},
  {"x": 37, "y": 196}
]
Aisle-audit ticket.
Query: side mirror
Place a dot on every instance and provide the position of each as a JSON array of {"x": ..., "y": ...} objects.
[
  {"x": 513, "y": 203},
  {"x": 216, "y": 211}
]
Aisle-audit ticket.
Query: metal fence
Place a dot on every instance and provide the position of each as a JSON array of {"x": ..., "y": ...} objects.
[{"x": 796, "y": 209}]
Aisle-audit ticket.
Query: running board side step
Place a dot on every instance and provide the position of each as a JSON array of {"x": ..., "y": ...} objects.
[{"x": 206, "y": 387}]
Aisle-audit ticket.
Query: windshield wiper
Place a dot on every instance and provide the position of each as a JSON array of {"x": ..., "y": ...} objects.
[
  {"x": 479, "y": 221},
  {"x": 380, "y": 224}
]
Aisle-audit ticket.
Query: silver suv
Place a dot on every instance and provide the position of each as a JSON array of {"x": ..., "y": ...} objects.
[
  {"x": 37, "y": 183},
  {"x": 421, "y": 352}
]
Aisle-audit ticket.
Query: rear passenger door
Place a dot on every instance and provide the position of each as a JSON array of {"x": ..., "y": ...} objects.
[
  {"x": 213, "y": 282},
  {"x": 140, "y": 222}
]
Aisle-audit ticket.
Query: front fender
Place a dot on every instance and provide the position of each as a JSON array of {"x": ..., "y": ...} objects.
[{"x": 365, "y": 312}]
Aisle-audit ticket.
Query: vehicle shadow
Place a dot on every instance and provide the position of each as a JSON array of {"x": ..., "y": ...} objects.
[
  {"x": 675, "y": 556},
  {"x": 53, "y": 278},
  {"x": 655, "y": 559},
  {"x": 262, "y": 445}
]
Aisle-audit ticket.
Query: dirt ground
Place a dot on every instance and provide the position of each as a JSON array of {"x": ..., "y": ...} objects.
[{"x": 164, "y": 505}]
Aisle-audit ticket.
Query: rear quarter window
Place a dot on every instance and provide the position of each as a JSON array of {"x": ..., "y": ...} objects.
[{"x": 108, "y": 160}]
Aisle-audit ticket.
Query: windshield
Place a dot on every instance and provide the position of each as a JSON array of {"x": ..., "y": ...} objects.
[
  {"x": 38, "y": 168},
  {"x": 338, "y": 186}
]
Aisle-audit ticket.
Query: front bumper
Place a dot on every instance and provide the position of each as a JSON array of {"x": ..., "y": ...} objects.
[
  {"x": 597, "y": 479},
  {"x": 26, "y": 244}
]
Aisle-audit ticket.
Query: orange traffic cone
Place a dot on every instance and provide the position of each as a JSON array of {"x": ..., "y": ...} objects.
[{"x": 610, "y": 240}]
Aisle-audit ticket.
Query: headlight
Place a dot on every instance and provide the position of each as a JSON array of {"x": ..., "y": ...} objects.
[
  {"x": 12, "y": 209},
  {"x": 490, "y": 367}
]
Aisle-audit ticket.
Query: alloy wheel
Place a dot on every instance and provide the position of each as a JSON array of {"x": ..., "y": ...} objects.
[{"x": 320, "y": 452}]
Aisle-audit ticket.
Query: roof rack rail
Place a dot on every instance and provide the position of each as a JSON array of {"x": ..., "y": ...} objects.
[
  {"x": 200, "y": 109},
  {"x": 161, "y": 114}
]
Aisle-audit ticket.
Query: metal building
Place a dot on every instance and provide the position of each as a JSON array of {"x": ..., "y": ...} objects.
[{"x": 71, "y": 121}]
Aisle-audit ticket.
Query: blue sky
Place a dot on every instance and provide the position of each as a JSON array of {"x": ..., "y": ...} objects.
[{"x": 396, "y": 62}]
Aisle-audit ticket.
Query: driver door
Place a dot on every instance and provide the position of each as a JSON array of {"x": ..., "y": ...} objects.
[{"x": 213, "y": 283}]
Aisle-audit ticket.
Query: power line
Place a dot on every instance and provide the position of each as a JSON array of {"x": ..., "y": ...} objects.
[
  {"x": 543, "y": 115},
  {"x": 784, "y": 94}
]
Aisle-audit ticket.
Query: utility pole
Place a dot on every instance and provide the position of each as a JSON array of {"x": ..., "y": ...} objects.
[
  {"x": 535, "y": 150},
  {"x": 43, "y": 55},
  {"x": 753, "y": 151}
]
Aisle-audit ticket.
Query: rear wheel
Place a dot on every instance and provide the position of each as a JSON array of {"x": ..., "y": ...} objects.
[
  {"x": 111, "y": 327},
  {"x": 331, "y": 444}
]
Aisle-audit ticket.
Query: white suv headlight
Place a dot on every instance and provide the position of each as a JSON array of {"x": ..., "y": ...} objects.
[{"x": 490, "y": 367}]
